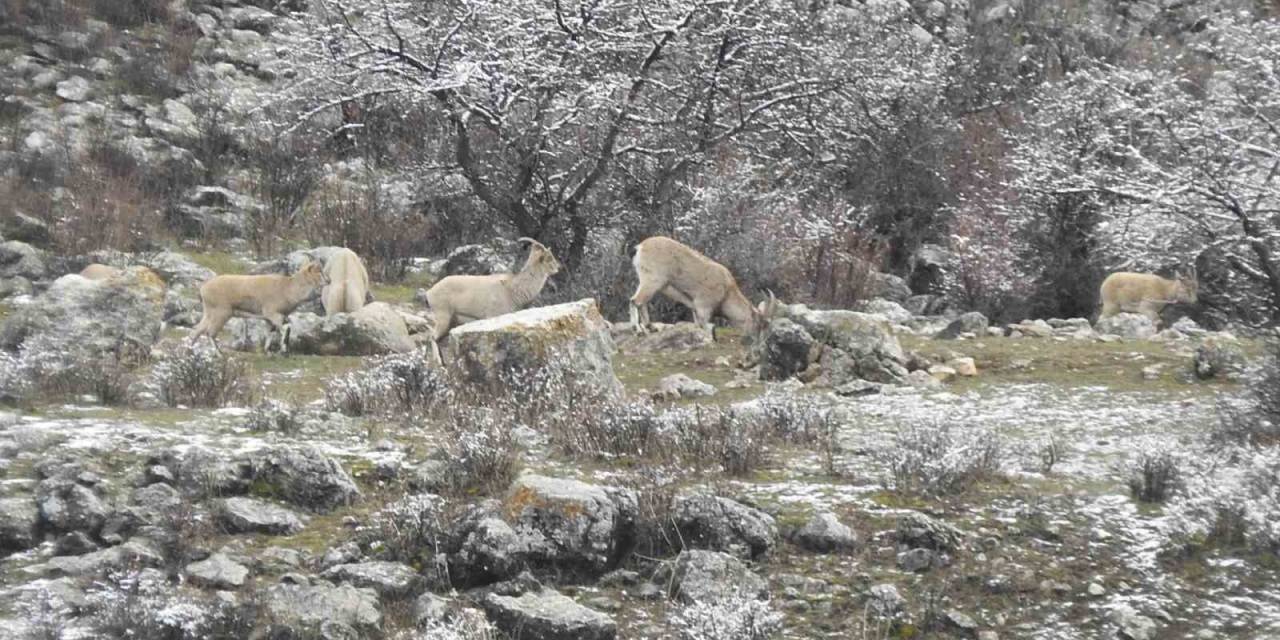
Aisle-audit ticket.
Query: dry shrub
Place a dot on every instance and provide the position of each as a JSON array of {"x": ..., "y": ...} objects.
[
  {"x": 840, "y": 269},
  {"x": 131, "y": 13},
  {"x": 356, "y": 215},
  {"x": 197, "y": 374}
]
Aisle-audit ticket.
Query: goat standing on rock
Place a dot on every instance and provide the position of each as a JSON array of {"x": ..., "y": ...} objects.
[
  {"x": 273, "y": 297},
  {"x": 678, "y": 272},
  {"x": 462, "y": 298},
  {"x": 1145, "y": 293}
]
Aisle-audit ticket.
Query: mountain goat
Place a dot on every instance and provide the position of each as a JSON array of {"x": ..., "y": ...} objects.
[
  {"x": 348, "y": 283},
  {"x": 97, "y": 271},
  {"x": 677, "y": 271},
  {"x": 273, "y": 297},
  {"x": 462, "y": 298},
  {"x": 1145, "y": 293}
]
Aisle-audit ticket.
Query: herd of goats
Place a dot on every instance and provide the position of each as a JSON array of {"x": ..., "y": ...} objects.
[{"x": 662, "y": 265}]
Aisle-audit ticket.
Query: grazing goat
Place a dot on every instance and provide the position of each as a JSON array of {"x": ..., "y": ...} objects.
[
  {"x": 348, "y": 283},
  {"x": 1145, "y": 293},
  {"x": 97, "y": 271},
  {"x": 462, "y": 298},
  {"x": 695, "y": 281},
  {"x": 273, "y": 297}
]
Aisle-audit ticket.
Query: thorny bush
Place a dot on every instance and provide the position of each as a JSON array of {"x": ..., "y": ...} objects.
[
  {"x": 45, "y": 367},
  {"x": 398, "y": 383},
  {"x": 197, "y": 374},
  {"x": 1155, "y": 473},
  {"x": 942, "y": 460},
  {"x": 145, "y": 605},
  {"x": 409, "y": 530},
  {"x": 1233, "y": 505}
]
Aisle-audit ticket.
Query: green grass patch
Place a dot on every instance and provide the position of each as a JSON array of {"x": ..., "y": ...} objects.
[
  {"x": 642, "y": 371},
  {"x": 403, "y": 290},
  {"x": 1069, "y": 363},
  {"x": 220, "y": 262},
  {"x": 298, "y": 378}
]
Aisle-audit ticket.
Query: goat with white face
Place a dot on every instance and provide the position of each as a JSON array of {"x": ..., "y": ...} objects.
[
  {"x": 458, "y": 299},
  {"x": 682, "y": 274}
]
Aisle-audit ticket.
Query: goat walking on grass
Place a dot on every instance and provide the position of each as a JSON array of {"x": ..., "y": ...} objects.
[
  {"x": 458, "y": 299},
  {"x": 679, "y": 272},
  {"x": 272, "y": 297}
]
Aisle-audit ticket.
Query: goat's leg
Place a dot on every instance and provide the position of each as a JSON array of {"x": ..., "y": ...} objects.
[
  {"x": 702, "y": 312},
  {"x": 278, "y": 327},
  {"x": 640, "y": 304}
]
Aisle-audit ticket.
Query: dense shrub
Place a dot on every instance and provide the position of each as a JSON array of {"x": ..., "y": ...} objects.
[
  {"x": 941, "y": 459},
  {"x": 274, "y": 416},
  {"x": 1234, "y": 505},
  {"x": 358, "y": 213},
  {"x": 1155, "y": 473},
  {"x": 409, "y": 530},
  {"x": 145, "y": 605},
  {"x": 48, "y": 370},
  {"x": 197, "y": 374},
  {"x": 397, "y": 383},
  {"x": 483, "y": 451}
]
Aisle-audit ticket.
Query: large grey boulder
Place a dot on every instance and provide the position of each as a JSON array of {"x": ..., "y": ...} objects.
[
  {"x": 889, "y": 287},
  {"x": 22, "y": 227},
  {"x": 15, "y": 286},
  {"x": 21, "y": 259},
  {"x": 374, "y": 329},
  {"x": 888, "y": 309},
  {"x": 705, "y": 576},
  {"x": 482, "y": 548},
  {"x": 91, "y": 319},
  {"x": 392, "y": 580},
  {"x": 573, "y": 336},
  {"x": 68, "y": 506},
  {"x": 571, "y": 525},
  {"x": 217, "y": 572},
  {"x": 548, "y": 615},
  {"x": 784, "y": 350},
  {"x": 721, "y": 524},
  {"x": 861, "y": 346},
  {"x": 971, "y": 322},
  {"x": 322, "y": 610},
  {"x": 824, "y": 533},
  {"x": 135, "y": 553},
  {"x": 250, "y": 515},
  {"x": 918, "y": 531},
  {"x": 304, "y": 476},
  {"x": 74, "y": 89},
  {"x": 1127, "y": 325},
  {"x": 19, "y": 522},
  {"x": 177, "y": 270},
  {"x": 206, "y": 210}
]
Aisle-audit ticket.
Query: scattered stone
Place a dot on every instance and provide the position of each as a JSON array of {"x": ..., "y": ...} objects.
[
  {"x": 702, "y": 576},
  {"x": 918, "y": 560},
  {"x": 971, "y": 322},
  {"x": 824, "y": 533},
  {"x": 922, "y": 380},
  {"x": 74, "y": 89},
  {"x": 483, "y": 549},
  {"x": 217, "y": 572},
  {"x": 548, "y": 615},
  {"x": 721, "y": 524},
  {"x": 1127, "y": 325},
  {"x": 1096, "y": 590},
  {"x": 137, "y": 552},
  {"x": 304, "y": 476},
  {"x": 572, "y": 335},
  {"x": 19, "y": 519},
  {"x": 961, "y": 622},
  {"x": 919, "y": 531},
  {"x": 571, "y": 525},
  {"x": 392, "y": 580},
  {"x": 1133, "y": 625},
  {"x": 68, "y": 506},
  {"x": 942, "y": 373},
  {"x": 888, "y": 309},
  {"x": 250, "y": 515},
  {"x": 965, "y": 367},
  {"x": 1220, "y": 356},
  {"x": 679, "y": 385},
  {"x": 74, "y": 544},
  {"x": 785, "y": 350},
  {"x": 884, "y": 600},
  {"x": 428, "y": 608},
  {"x": 24, "y": 228},
  {"x": 344, "y": 611},
  {"x": 19, "y": 259}
]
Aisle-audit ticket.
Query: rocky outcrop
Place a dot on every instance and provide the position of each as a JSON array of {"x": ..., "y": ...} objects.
[
  {"x": 785, "y": 350},
  {"x": 548, "y": 615},
  {"x": 482, "y": 548},
  {"x": 1127, "y": 325},
  {"x": 374, "y": 329},
  {"x": 84, "y": 319},
  {"x": 968, "y": 323},
  {"x": 250, "y": 515},
  {"x": 855, "y": 345},
  {"x": 391, "y": 580},
  {"x": 721, "y": 524},
  {"x": 1220, "y": 356},
  {"x": 304, "y": 476},
  {"x": 573, "y": 337},
  {"x": 343, "y": 611},
  {"x": 217, "y": 572},
  {"x": 824, "y": 533},
  {"x": 705, "y": 576},
  {"x": 571, "y": 525}
]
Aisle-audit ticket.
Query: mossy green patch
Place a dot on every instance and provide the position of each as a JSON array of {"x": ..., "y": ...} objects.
[
  {"x": 300, "y": 378},
  {"x": 402, "y": 291},
  {"x": 220, "y": 262}
]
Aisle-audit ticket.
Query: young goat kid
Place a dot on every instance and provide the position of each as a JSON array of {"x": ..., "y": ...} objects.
[
  {"x": 1145, "y": 293},
  {"x": 273, "y": 297},
  {"x": 458, "y": 299},
  {"x": 695, "y": 281}
]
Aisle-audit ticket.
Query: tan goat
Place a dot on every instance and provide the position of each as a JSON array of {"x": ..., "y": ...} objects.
[
  {"x": 458, "y": 299},
  {"x": 1145, "y": 293},
  {"x": 348, "y": 283},
  {"x": 272, "y": 297},
  {"x": 678, "y": 272}
]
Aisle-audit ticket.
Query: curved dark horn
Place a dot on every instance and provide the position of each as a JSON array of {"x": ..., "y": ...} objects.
[{"x": 527, "y": 240}]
